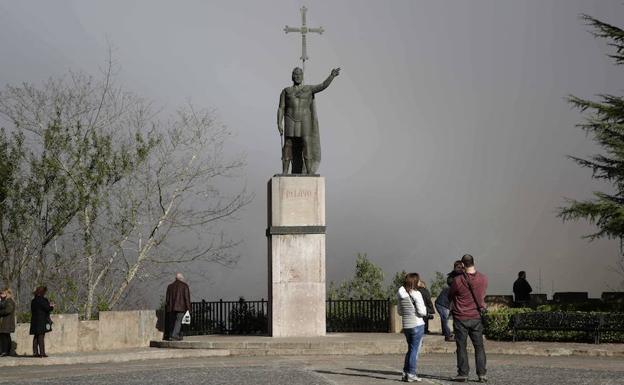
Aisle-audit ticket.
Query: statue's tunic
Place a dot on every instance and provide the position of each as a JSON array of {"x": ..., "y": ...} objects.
[{"x": 300, "y": 119}]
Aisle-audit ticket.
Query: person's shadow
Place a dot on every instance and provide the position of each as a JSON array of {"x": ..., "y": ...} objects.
[
  {"x": 395, "y": 373},
  {"x": 13, "y": 351},
  {"x": 359, "y": 374}
]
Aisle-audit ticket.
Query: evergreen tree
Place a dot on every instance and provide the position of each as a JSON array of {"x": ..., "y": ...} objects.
[
  {"x": 604, "y": 122},
  {"x": 367, "y": 282},
  {"x": 438, "y": 283},
  {"x": 395, "y": 284}
]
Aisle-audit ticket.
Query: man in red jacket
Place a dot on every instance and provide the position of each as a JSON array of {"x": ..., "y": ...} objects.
[
  {"x": 178, "y": 302},
  {"x": 466, "y": 305}
]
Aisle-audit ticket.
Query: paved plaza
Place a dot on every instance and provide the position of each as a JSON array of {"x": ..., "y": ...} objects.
[{"x": 321, "y": 370}]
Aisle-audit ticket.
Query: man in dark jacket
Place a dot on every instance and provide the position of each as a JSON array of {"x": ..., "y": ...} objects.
[
  {"x": 178, "y": 302},
  {"x": 522, "y": 290},
  {"x": 467, "y": 293}
]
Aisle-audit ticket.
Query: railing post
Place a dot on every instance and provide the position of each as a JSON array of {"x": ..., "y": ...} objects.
[
  {"x": 389, "y": 320},
  {"x": 328, "y": 315},
  {"x": 220, "y": 317}
]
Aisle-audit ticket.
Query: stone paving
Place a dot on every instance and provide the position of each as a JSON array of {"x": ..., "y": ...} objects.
[
  {"x": 377, "y": 343},
  {"x": 322, "y": 370},
  {"x": 333, "y": 344}
]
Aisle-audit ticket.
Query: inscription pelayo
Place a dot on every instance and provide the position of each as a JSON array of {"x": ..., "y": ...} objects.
[{"x": 299, "y": 194}]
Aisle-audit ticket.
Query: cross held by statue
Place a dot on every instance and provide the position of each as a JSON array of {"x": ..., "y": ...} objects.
[{"x": 304, "y": 31}]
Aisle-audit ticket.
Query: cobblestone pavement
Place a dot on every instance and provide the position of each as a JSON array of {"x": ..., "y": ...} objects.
[{"x": 321, "y": 370}]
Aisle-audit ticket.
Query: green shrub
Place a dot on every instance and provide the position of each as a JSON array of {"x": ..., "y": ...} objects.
[
  {"x": 246, "y": 320},
  {"x": 499, "y": 323},
  {"x": 23, "y": 317},
  {"x": 500, "y": 328},
  {"x": 594, "y": 306}
]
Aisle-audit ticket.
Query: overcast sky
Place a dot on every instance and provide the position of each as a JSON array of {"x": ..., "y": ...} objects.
[{"x": 446, "y": 132}]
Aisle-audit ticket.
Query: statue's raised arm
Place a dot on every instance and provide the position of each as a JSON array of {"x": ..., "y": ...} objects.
[{"x": 320, "y": 87}]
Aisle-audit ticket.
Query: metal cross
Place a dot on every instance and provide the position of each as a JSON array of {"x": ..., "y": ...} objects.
[{"x": 304, "y": 30}]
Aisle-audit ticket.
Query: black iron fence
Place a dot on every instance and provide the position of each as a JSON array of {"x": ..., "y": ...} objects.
[
  {"x": 251, "y": 317},
  {"x": 228, "y": 317},
  {"x": 353, "y": 315}
]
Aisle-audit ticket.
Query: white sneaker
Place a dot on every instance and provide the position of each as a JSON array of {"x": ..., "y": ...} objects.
[{"x": 411, "y": 378}]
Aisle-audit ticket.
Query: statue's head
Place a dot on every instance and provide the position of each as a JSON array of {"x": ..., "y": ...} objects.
[{"x": 297, "y": 76}]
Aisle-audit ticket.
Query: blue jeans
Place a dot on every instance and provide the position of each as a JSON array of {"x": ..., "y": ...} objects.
[
  {"x": 444, "y": 317},
  {"x": 414, "y": 338}
]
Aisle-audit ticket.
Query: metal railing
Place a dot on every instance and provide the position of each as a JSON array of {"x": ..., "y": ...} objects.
[
  {"x": 358, "y": 315},
  {"x": 228, "y": 317},
  {"x": 251, "y": 317}
]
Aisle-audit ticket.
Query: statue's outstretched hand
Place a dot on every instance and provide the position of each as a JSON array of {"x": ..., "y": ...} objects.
[{"x": 335, "y": 72}]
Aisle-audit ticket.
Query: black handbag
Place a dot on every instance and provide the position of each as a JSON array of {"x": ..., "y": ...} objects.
[{"x": 48, "y": 325}]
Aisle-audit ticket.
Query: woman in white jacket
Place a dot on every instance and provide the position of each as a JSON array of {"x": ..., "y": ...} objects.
[{"x": 412, "y": 310}]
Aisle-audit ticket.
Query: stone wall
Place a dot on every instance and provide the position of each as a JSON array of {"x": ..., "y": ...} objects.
[
  {"x": 395, "y": 322},
  {"x": 114, "y": 330}
]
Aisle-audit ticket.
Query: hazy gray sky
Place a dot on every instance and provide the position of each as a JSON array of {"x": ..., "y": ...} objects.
[{"x": 446, "y": 132}]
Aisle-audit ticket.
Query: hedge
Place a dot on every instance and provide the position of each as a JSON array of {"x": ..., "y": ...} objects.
[{"x": 500, "y": 328}]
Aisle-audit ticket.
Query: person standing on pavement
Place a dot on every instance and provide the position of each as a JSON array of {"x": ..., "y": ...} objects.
[
  {"x": 7, "y": 321},
  {"x": 40, "y": 322},
  {"x": 178, "y": 302},
  {"x": 443, "y": 305},
  {"x": 467, "y": 294},
  {"x": 422, "y": 288},
  {"x": 522, "y": 290},
  {"x": 411, "y": 308}
]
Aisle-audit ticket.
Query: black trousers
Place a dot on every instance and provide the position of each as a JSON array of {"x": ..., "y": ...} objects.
[
  {"x": 173, "y": 324},
  {"x": 5, "y": 343},
  {"x": 39, "y": 345},
  {"x": 472, "y": 328},
  {"x": 177, "y": 324}
]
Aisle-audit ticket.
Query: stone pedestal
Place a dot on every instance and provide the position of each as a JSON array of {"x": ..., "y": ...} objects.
[{"x": 296, "y": 250}]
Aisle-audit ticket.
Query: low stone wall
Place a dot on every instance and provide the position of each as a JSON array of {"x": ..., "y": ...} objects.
[
  {"x": 114, "y": 330},
  {"x": 395, "y": 322}
]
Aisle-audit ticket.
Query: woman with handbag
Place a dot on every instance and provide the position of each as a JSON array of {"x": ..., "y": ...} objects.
[
  {"x": 411, "y": 307},
  {"x": 40, "y": 322}
]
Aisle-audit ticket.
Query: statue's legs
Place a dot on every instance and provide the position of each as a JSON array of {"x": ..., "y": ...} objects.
[
  {"x": 297, "y": 155},
  {"x": 292, "y": 153},
  {"x": 286, "y": 154},
  {"x": 311, "y": 165}
]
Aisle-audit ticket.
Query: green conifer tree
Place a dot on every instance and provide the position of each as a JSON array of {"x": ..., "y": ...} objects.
[{"x": 604, "y": 122}]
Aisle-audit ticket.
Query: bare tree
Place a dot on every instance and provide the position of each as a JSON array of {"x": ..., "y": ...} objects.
[
  {"x": 77, "y": 136},
  {"x": 171, "y": 210},
  {"x": 101, "y": 191}
]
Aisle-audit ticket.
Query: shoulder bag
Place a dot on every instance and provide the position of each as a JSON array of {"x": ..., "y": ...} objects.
[{"x": 482, "y": 310}]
